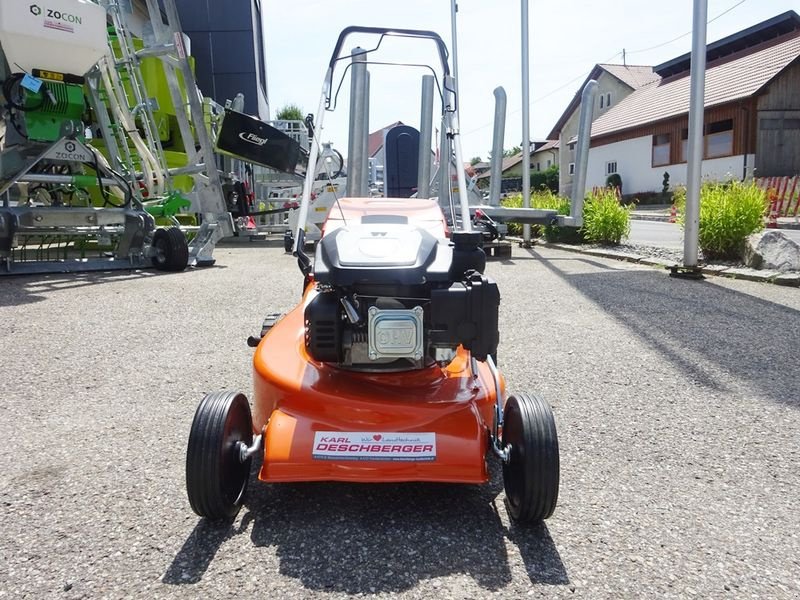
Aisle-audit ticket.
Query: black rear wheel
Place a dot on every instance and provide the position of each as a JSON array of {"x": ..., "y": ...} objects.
[
  {"x": 171, "y": 250},
  {"x": 288, "y": 241},
  {"x": 531, "y": 475},
  {"x": 216, "y": 477}
]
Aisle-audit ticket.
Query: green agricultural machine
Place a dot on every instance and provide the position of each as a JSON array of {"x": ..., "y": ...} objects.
[{"x": 98, "y": 169}]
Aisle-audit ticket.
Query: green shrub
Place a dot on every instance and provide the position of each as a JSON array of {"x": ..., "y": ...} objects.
[
  {"x": 679, "y": 198},
  {"x": 729, "y": 212},
  {"x": 614, "y": 181},
  {"x": 291, "y": 112},
  {"x": 545, "y": 180},
  {"x": 545, "y": 199},
  {"x": 605, "y": 221},
  {"x": 514, "y": 201},
  {"x": 548, "y": 200},
  {"x": 553, "y": 233}
]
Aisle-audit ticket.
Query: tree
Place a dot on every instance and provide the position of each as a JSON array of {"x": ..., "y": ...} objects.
[
  {"x": 508, "y": 153},
  {"x": 545, "y": 180},
  {"x": 291, "y": 112},
  {"x": 475, "y": 160}
]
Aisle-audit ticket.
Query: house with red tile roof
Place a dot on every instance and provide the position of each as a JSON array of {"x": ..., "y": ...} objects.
[
  {"x": 615, "y": 83},
  {"x": 752, "y": 114},
  {"x": 543, "y": 156}
]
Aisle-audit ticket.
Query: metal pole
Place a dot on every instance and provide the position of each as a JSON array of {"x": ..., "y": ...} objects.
[
  {"x": 696, "y": 111},
  {"x": 65, "y": 179},
  {"x": 497, "y": 146},
  {"x": 425, "y": 131},
  {"x": 364, "y": 184},
  {"x": 444, "y": 173},
  {"x": 313, "y": 153},
  {"x": 526, "y": 123},
  {"x": 453, "y": 11},
  {"x": 582, "y": 156},
  {"x": 355, "y": 143},
  {"x": 454, "y": 128}
]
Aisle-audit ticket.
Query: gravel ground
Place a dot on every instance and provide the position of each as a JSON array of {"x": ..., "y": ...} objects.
[
  {"x": 654, "y": 251},
  {"x": 677, "y": 405}
]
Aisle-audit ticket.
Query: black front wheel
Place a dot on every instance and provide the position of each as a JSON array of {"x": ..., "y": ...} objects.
[
  {"x": 531, "y": 475},
  {"x": 170, "y": 249},
  {"x": 216, "y": 477}
]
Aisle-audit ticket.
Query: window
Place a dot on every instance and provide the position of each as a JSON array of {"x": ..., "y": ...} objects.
[
  {"x": 719, "y": 139},
  {"x": 611, "y": 167},
  {"x": 602, "y": 100},
  {"x": 778, "y": 124},
  {"x": 661, "y": 150},
  {"x": 538, "y": 166},
  {"x": 608, "y": 100},
  {"x": 572, "y": 168},
  {"x": 572, "y": 147},
  {"x": 549, "y": 163},
  {"x": 684, "y": 145}
]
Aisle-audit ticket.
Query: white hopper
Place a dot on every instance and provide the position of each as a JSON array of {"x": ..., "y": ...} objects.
[{"x": 64, "y": 36}]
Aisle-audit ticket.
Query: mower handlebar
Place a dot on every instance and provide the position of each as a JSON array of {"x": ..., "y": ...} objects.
[{"x": 384, "y": 31}]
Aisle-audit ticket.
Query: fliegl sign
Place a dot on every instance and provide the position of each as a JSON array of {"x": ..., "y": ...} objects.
[
  {"x": 363, "y": 445},
  {"x": 253, "y": 138},
  {"x": 56, "y": 19}
]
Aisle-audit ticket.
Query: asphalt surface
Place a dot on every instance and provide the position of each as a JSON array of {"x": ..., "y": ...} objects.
[
  {"x": 655, "y": 233},
  {"x": 670, "y": 235},
  {"x": 677, "y": 402}
]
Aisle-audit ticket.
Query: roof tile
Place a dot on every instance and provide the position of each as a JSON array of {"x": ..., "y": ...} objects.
[
  {"x": 727, "y": 80},
  {"x": 634, "y": 76}
]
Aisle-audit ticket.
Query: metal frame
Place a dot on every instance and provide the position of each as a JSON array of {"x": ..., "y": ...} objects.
[
  {"x": 534, "y": 216},
  {"x": 359, "y": 114},
  {"x": 425, "y": 133},
  {"x": 216, "y": 221},
  {"x": 131, "y": 224}
]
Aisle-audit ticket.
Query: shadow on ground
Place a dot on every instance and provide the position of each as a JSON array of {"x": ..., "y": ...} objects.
[
  {"x": 710, "y": 332},
  {"x": 377, "y": 538},
  {"x": 17, "y": 290}
]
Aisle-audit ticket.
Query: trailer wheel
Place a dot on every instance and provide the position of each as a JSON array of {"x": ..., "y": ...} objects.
[
  {"x": 171, "y": 249},
  {"x": 216, "y": 478},
  {"x": 531, "y": 475},
  {"x": 288, "y": 241}
]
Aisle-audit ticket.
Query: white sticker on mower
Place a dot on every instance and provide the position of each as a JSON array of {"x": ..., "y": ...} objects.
[{"x": 362, "y": 445}]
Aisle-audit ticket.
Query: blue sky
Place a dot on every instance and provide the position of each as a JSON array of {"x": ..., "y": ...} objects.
[{"x": 567, "y": 38}]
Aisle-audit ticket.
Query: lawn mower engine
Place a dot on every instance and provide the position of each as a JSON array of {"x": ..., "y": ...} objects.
[{"x": 392, "y": 297}]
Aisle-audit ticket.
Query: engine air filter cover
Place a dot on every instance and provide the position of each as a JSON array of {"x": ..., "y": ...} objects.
[{"x": 395, "y": 333}]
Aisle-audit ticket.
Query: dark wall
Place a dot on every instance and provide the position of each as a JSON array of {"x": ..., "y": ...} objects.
[
  {"x": 778, "y": 152},
  {"x": 228, "y": 50}
]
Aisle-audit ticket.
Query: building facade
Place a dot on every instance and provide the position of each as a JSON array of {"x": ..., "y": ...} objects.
[
  {"x": 615, "y": 83},
  {"x": 228, "y": 46},
  {"x": 751, "y": 121}
]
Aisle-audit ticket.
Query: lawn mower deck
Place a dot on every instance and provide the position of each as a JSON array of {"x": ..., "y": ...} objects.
[{"x": 324, "y": 424}]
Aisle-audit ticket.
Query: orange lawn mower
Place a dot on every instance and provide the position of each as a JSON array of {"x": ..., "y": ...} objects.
[{"x": 386, "y": 369}]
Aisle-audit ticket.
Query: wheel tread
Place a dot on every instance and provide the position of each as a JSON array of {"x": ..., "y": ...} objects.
[
  {"x": 539, "y": 453},
  {"x": 176, "y": 249},
  {"x": 203, "y": 472}
]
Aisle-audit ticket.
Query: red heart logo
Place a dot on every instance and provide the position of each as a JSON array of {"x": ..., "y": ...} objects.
[{"x": 377, "y": 437}]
